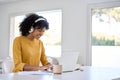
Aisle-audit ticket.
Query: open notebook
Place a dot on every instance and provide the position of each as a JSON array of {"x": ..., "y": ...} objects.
[{"x": 68, "y": 61}]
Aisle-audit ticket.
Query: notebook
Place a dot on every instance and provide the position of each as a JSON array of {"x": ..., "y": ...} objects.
[{"x": 68, "y": 61}]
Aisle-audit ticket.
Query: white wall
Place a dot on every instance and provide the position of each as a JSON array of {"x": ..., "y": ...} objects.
[{"x": 74, "y": 35}]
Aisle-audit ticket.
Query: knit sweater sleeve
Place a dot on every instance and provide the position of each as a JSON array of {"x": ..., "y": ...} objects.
[
  {"x": 18, "y": 64},
  {"x": 43, "y": 58}
]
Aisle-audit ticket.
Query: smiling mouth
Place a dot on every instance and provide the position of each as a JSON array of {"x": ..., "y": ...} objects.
[{"x": 39, "y": 36}]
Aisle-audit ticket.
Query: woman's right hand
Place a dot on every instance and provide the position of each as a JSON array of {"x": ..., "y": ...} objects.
[{"x": 28, "y": 67}]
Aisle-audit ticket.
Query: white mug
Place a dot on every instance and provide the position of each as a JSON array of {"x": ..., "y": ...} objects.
[{"x": 57, "y": 69}]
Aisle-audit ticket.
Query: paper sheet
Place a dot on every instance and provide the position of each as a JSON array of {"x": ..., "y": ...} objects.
[{"x": 34, "y": 73}]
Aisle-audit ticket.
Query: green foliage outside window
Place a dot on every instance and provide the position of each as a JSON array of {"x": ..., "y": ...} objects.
[{"x": 104, "y": 42}]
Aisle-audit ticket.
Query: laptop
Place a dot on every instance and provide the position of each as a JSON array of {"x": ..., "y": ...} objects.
[{"x": 68, "y": 60}]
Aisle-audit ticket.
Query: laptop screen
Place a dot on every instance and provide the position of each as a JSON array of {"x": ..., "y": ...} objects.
[{"x": 69, "y": 60}]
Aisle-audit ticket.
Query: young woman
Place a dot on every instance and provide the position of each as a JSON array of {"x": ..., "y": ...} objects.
[{"x": 28, "y": 49}]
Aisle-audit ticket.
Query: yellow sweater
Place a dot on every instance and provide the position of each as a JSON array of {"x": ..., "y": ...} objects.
[{"x": 26, "y": 51}]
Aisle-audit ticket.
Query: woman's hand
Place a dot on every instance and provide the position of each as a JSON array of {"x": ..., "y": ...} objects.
[
  {"x": 47, "y": 67},
  {"x": 28, "y": 67},
  {"x": 43, "y": 67},
  {"x": 50, "y": 66}
]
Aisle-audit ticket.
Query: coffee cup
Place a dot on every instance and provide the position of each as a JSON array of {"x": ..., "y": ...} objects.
[{"x": 57, "y": 69}]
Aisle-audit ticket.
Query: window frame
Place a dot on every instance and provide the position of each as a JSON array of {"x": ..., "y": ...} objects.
[{"x": 89, "y": 25}]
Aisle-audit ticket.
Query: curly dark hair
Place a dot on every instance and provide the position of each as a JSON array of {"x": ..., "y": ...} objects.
[{"x": 32, "y": 20}]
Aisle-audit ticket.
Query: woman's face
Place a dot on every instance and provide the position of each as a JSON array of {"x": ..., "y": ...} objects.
[{"x": 37, "y": 33}]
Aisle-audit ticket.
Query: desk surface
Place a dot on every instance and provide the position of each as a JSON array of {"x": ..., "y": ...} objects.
[{"x": 89, "y": 73}]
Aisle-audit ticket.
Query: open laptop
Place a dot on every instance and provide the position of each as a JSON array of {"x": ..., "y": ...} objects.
[{"x": 68, "y": 61}]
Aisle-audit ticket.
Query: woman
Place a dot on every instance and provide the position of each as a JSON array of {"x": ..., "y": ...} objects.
[{"x": 28, "y": 50}]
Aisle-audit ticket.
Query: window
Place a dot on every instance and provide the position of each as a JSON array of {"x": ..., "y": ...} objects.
[
  {"x": 51, "y": 38},
  {"x": 106, "y": 37}
]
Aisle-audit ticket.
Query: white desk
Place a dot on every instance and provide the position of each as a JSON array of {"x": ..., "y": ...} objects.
[{"x": 89, "y": 73}]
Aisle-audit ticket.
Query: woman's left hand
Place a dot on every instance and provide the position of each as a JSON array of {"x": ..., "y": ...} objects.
[{"x": 50, "y": 66}]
